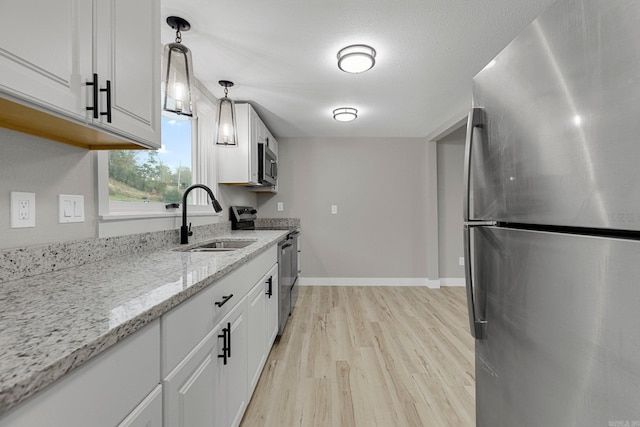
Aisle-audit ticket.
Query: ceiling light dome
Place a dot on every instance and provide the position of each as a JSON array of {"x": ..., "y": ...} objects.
[
  {"x": 345, "y": 114},
  {"x": 356, "y": 58}
]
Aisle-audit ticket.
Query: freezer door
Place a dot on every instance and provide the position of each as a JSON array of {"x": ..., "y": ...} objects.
[
  {"x": 560, "y": 144},
  {"x": 563, "y": 335}
]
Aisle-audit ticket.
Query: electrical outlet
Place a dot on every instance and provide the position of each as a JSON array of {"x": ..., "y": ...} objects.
[
  {"x": 334, "y": 209},
  {"x": 280, "y": 206},
  {"x": 23, "y": 209},
  {"x": 461, "y": 260}
]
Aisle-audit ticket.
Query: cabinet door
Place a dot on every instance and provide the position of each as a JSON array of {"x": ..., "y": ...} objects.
[
  {"x": 236, "y": 372},
  {"x": 256, "y": 313},
  {"x": 191, "y": 390},
  {"x": 99, "y": 393},
  {"x": 148, "y": 413},
  {"x": 271, "y": 315},
  {"x": 128, "y": 56},
  {"x": 45, "y": 53},
  {"x": 257, "y": 135}
]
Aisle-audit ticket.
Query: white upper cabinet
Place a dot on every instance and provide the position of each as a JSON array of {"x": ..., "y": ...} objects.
[
  {"x": 50, "y": 51},
  {"x": 45, "y": 53},
  {"x": 127, "y": 56},
  {"x": 238, "y": 164}
]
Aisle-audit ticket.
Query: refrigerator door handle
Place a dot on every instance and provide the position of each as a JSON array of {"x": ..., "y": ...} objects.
[
  {"x": 477, "y": 326},
  {"x": 476, "y": 120}
]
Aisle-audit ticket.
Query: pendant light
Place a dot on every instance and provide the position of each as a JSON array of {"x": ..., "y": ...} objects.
[
  {"x": 177, "y": 74},
  {"x": 226, "y": 131}
]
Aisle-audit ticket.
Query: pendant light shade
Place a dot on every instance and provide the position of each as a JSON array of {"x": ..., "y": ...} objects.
[
  {"x": 177, "y": 74},
  {"x": 345, "y": 114},
  {"x": 226, "y": 118}
]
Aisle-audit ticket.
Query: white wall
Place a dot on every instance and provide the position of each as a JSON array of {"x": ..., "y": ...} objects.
[
  {"x": 49, "y": 168},
  {"x": 32, "y": 164},
  {"x": 450, "y": 192},
  {"x": 379, "y": 186}
]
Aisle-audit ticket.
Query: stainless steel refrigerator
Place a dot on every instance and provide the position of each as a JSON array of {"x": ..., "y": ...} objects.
[{"x": 552, "y": 221}]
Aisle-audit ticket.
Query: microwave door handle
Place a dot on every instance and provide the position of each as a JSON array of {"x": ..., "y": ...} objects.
[{"x": 274, "y": 169}]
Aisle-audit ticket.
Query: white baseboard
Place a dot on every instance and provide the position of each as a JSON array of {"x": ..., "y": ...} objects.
[
  {"x": 381, "y": 281},
  {"x": 452, "y": 281},
  {"x": 369, "y": 281}
]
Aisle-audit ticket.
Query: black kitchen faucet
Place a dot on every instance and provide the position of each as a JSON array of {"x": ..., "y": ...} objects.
[{"x": 185, "y": 231}]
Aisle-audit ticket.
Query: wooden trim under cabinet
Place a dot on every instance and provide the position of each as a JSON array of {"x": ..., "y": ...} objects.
[{"x": 29, "y": 120}]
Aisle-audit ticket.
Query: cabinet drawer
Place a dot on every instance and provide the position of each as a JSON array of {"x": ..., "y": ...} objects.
[
  {"x": 102, "y": 392},
  {"x": 186, "y": 325}
]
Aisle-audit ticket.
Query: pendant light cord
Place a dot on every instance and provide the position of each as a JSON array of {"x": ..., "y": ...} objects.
[{"x": 178, "y": 36}]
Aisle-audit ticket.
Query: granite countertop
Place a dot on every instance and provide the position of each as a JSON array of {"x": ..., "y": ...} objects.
[{"x": 54, "y": 322}]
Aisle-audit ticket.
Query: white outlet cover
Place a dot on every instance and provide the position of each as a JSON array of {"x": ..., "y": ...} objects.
[
  {"x": 25, "y": 217},
  {"x": 280, "y": 206},
  {"x": 70, "y": 208},
  {"x": 334, "y": 209}
]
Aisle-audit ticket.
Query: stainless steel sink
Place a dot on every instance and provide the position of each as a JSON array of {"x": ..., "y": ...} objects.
[{"x": 221, "y": 246}]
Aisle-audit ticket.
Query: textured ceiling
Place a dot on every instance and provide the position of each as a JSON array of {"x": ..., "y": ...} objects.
[{"x": 281, "y": 54}]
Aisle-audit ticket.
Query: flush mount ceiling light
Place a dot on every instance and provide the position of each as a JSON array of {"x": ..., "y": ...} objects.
[
  {"x": 177, "y": 73},
  {"x": 356, "y": 58},
  {"x": 345, "y": 114},
  {"x": 226, "y": 133}
]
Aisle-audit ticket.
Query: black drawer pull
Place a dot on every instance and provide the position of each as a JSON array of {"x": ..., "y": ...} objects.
[
  {"x": 229, "y": 340},
  {"x": 225, "y": 345},
  {"x": 224, "y": 300},
  {"x": 270, "y": 288}
]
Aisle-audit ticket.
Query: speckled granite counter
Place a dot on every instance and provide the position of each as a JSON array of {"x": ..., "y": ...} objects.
[{"x": 54, "y": 322}]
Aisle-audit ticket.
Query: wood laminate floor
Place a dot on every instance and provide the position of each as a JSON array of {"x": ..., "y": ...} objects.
[{"x": 370, "y": 356}]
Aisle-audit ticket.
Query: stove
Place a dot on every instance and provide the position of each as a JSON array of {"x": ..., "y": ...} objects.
[{"x": 243, "y": 217}]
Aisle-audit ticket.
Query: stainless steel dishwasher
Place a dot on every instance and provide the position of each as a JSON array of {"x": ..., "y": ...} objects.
[{"x": 288, "y": 277}]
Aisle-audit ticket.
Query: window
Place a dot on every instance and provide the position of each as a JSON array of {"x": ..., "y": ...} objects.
[
  {"x": 154, "y": 176},
  {"x": 138, "y": 184}
]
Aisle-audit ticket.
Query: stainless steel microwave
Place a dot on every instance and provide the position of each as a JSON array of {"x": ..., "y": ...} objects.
[{"x": 267, "y": 166}]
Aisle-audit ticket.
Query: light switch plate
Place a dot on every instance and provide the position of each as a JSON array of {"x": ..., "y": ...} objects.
[
  {"x": 23, "y": 209},
  {"x": 70, "y": 208}
]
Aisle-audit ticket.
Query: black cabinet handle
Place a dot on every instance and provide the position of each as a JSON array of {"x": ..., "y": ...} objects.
[
  {"x": 94, "y": 83},
  {"x": 108, "y": 90},
  {"x": 224, "y": 300},
  {"x": 270, "y": 288},
  {"x": 225, "y": 345},
  {"x": 229, "y": 340}
]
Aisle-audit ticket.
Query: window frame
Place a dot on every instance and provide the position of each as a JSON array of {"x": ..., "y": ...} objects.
[{"x": 204, "y": 169}]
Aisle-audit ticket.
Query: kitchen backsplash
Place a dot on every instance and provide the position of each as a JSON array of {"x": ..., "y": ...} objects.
[
  {"x": 277, "y": 222},
  {"x": 34, "y": 260}
]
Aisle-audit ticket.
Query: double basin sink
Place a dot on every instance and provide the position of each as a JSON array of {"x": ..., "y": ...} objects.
[{"x": 220, "y": 246}]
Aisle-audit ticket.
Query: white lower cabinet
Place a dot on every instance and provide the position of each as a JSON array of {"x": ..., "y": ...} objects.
[
  {"x": 214, "y": 347},
  {"x": 148, "y": 413},
  {"x": 235, "y": 376},
  {"x": 262, "y": 316},
  {"x": 256, "y": 317},
  {"x": 104, "y": 392},
  {"x": 190, "y": 389},
  {"x": 209, "y": 387},
  {"x": 271, "y": 308}
]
